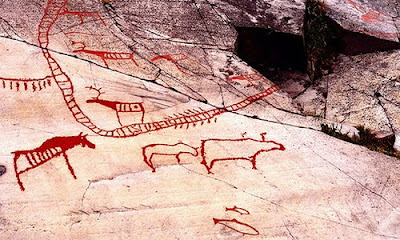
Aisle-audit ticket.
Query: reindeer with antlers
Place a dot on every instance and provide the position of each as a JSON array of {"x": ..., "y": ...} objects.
[
  {"x": 118, "y": 107},
  {"x": 105, "y": 55}
]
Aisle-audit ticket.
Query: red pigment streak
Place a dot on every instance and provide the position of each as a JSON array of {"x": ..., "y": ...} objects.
[
  {"x": 50, "y": 149},
  {"x": 370, "y": 15},
  {"x": 25, "y": 83},
  {"x": 81, "y": 15},
  {"x": 50, "y": 16},
  {"x": 250, "y": 78},
  {"x": 249, "y": 150},
  {"x": 166, "y": 150},
  {"x": 226, "y": 223},
  {"x": 119, "y": 107},
  {"x": 104, "y": 55},
  {"x": 239, "y": 210},
  {"x": 175, "y": 58}
]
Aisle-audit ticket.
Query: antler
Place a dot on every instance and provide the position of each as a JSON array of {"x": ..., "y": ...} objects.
[
  {"x": 83, "y": 45},
  {"x": 97, "y": 90}
]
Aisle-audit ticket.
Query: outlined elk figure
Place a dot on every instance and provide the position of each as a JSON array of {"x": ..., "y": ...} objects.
[
  {"x": 166, "y": 150},
  {"x": 214, "y": 150},
  {"x": 175, "y": 58},
  {"x": 118, "y": 107},
  {"x": 105, "y": 55},
  {"x": 50, "y": 149},
  {"x": 80, "y": 15}
]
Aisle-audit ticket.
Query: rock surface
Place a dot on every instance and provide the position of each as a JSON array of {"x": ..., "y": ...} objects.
[
  {"x": 380, "y": 19},
  {"x": 166, "y": 130}
]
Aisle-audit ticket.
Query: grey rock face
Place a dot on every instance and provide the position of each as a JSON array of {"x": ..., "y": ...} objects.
[
  {"x": 279, "y": 15},
  {"x": 380, "y": 19}
]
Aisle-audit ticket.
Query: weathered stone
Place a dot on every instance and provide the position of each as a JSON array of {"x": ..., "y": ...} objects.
[
  {"x": 376, "y": 18},
  {"x": 363, "y": 91},
  {"x": 278, "y": 15}
]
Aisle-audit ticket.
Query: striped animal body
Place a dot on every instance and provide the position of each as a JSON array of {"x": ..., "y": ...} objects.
[
  {"x": 106, "y": 55},
  {"x": 52, "y": 148},
  {"x": 120, "y": 107}
]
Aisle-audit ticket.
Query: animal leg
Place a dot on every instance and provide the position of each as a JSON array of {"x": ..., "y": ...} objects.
[
  {"x": 177, "y": 158},
  {"x": 105, "y": 62},
  {"x": 142, "y": 117},
  {"x": 207, "y": 167},
  {"x": 21, "y": 186},
  {"x": 133, "y": 60},
  {"x": 69, "y": 165},
  {"x": 253, "y": 162},
  {"x": 148, "y": 160},
  {"x": 119, "y": 120}
]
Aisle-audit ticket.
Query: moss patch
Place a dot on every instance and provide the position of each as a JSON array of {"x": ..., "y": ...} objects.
[{"x": 366, "y": 138}]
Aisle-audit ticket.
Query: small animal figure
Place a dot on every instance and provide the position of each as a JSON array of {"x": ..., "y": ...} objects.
[
  {"x": 239, "y": 210},
  {"x": 167, "y": 150},
  {"x": 80, "y": 15},
  {"x": 251, "y": 78},
  {"x": 50, "y": 149},
  {"x": 175, "y": 58},
  {"x": 105, "y": 55},
  {"x": 119, "y": 107}
]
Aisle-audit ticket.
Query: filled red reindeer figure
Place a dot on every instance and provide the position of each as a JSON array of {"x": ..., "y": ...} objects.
[
  {"x": 50, "y": 149},
  {"x": 119, "y": 107}
]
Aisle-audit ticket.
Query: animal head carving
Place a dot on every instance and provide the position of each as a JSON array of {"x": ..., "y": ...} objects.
[
  {"x": 80, "y": 48},
  {"x": 84, "y": 142},
  {"x": 98, "y": 90}
]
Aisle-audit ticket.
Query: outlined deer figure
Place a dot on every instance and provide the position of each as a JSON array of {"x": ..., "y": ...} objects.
[
  {"x": 118, "y": 107},
  {"x": 104, "y": 55},
  {"x": 175, "y": 150},
  {"x": 50, "y": 149}
]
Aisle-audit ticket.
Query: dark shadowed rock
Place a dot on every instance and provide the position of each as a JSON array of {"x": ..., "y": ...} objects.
[{"x": 2, "y": 170}]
